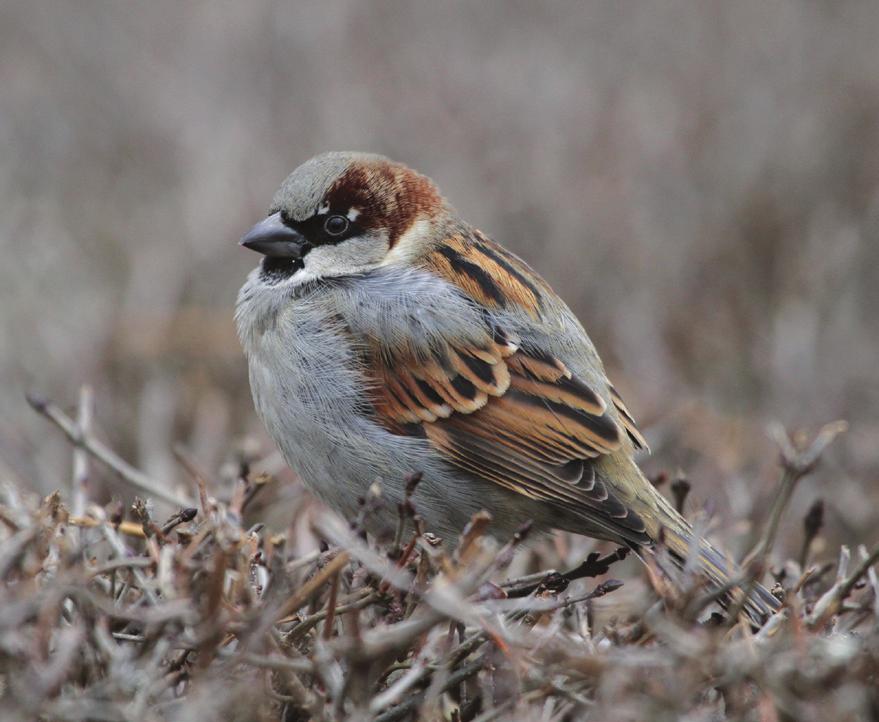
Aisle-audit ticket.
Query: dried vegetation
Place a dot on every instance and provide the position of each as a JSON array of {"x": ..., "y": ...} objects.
[{"x": 107, "y": 613}]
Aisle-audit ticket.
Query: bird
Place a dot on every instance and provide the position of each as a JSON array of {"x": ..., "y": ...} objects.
[{"x": 385, "y": 336}]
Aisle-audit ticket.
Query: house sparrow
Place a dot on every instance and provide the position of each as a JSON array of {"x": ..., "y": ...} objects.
[{"x": 385, "y": 336}]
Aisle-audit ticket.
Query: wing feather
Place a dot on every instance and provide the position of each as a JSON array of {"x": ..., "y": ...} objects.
[
  {"x": 628, "y": 422},
  {"x": 521, "y": 421},
  {"x": 506, "y": 413}
]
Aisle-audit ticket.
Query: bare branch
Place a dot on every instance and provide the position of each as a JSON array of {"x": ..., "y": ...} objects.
[{"x": 132, "y": 476}]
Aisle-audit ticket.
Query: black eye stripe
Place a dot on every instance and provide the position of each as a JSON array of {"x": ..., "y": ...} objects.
[{"x": 316, "y": 231}]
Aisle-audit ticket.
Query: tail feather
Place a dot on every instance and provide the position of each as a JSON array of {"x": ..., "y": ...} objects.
[{"x": 758, "y": 605}]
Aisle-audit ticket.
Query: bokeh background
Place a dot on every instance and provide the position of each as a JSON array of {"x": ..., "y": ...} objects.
[{"x": 699, "y": 180}]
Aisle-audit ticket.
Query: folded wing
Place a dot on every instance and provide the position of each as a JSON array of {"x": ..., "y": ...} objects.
[{"x": 513, "y": 416}]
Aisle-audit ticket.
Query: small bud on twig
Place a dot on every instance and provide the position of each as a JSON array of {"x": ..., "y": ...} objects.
[
  {"x": 680, "y": 488},
  {"x": 812, "y": 523}
]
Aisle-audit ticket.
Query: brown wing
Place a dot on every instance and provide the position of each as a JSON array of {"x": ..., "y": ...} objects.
[
  {"x": 627, "y": 421},
  {"x": 516, "y": 417}
]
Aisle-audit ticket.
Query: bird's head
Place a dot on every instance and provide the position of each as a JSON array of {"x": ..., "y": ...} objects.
[{"x": 344, "y": 213}]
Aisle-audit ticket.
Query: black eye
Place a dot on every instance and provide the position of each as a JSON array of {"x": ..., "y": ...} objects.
[{"x": 336, "y": 225}]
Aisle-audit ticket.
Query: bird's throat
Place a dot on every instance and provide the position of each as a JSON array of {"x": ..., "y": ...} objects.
[{"x": 275, "y": 270}]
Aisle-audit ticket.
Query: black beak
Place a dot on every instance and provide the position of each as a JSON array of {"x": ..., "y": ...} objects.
[{"x": 273, "y": 238}]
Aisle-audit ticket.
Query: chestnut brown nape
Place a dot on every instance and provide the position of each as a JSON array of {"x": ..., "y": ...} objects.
[{"x": 386, "y": 195}]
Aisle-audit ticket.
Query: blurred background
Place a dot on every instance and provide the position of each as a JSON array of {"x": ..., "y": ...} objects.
[{"x": 699, "y": 181}]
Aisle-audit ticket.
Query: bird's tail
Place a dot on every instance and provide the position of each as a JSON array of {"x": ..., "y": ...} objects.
[{"x": 758, "y": 604}]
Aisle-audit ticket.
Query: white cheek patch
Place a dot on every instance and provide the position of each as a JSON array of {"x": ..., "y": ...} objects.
[
  {"x": 410, "y": 244},
  {"x": 339, "y": 259}
]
